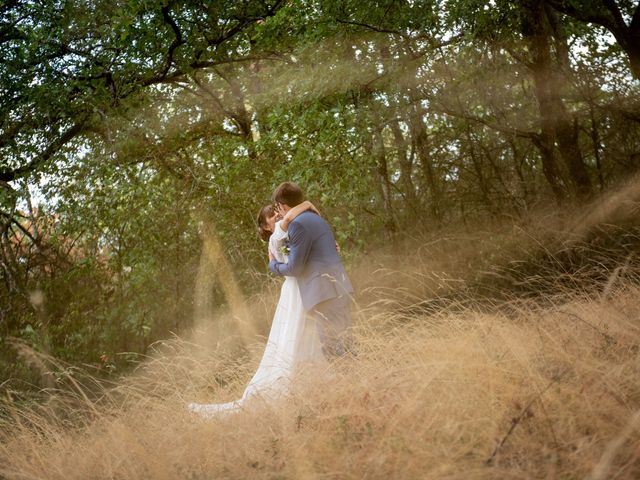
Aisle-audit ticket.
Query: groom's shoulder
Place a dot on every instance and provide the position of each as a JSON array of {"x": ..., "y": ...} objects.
[{"x": 309, "y": 219}]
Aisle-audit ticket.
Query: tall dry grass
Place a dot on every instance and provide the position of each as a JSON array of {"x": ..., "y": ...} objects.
[{"x": 516, "y": 387}]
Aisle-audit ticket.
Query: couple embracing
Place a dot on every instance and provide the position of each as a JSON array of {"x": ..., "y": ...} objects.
[{"x": 312, "y": 322}]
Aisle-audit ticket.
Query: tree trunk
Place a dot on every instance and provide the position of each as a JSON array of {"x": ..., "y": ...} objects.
[
  {"x": 384, "y": 180},
  {"x": 405, "y": 160},
  {"x": 556, "y": 123},
  {"x": 420, "y": 141},
  {"x": 239, "y": 112},
  {"x": 476, "y": 160},
  {"x": 544, "y": 143}
]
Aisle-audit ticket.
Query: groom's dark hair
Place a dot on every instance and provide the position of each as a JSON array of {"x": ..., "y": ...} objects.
[{"x": 288, "y": 193}]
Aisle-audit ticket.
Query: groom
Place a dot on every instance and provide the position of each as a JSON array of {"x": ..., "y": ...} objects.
[{"x": 313, "y": 259}]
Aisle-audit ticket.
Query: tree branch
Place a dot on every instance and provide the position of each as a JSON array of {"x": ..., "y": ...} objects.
[
  {"x": 615, "y": 13},
  {"x": 372, "y": 27},
  {"x": 196, "y": 64},
  {"x": 26, "y": 232},
  {"x": 611, "y": 18},
  {"x": 432, "y": 42},
  {"x": 177, "y": 41},
  {"x": 492, "y": 125},
  {"x": 582, "y": 14},
  {"x": 8, "y": 175}
]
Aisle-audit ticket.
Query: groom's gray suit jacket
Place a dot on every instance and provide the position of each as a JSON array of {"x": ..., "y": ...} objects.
[{"x": 314, "y": 261}]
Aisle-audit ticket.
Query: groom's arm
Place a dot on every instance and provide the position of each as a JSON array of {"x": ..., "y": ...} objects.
[{"x": 299, "y": 248}]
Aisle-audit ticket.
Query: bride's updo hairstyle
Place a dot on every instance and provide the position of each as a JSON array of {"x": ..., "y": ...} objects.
[
  {"x": 263, "y": 228},
  {"x": 288, "y": 193}
]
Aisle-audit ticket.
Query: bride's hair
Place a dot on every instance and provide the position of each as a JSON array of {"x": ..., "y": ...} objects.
[{"x": 263, "y": 228}]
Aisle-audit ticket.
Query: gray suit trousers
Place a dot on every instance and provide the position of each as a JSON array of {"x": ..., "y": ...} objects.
[{"x": 333, "y": 322}]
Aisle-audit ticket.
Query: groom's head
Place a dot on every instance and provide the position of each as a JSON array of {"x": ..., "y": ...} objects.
[{"x": 288, "y": 194}]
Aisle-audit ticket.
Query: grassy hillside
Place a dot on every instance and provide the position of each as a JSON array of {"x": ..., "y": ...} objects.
[{"x": 508, "y": 352}]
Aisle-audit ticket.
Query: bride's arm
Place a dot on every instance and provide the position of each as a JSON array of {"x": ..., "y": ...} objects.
[{"x": 295, "y": 211}]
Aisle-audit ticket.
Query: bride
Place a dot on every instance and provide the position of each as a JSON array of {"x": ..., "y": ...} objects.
[{"x": 293, "y": 340}]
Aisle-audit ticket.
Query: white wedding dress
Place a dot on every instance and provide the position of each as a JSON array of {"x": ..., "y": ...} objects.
[{"x": 293, "y": 342}]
